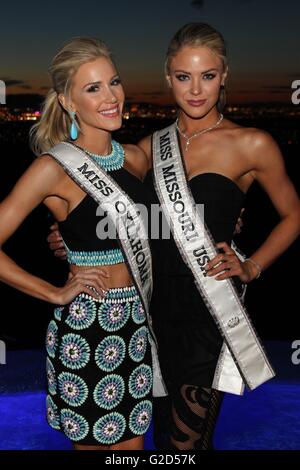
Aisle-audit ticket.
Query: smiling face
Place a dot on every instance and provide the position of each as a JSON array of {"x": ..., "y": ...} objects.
[
  {"x": 195, "y": 76},
  {"x": 97, "y": 96}
]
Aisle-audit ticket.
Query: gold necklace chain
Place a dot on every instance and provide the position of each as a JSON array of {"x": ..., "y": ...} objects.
[{"x": 196, "y": 134}]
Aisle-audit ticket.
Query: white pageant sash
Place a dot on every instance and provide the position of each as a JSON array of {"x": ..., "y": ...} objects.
[
  {"x": 132, "y": 234},
  {"x": 242, "y": 359}
]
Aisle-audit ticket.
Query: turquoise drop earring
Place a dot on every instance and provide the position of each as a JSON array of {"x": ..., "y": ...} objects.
[{"x": 73, "y": 129}]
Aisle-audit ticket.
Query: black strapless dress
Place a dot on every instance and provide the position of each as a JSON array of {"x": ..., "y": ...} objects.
[{"x": 188, "y": 338}]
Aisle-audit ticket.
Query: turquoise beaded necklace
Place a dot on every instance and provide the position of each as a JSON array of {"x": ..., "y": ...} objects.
[{"x": 111, "y": 162}]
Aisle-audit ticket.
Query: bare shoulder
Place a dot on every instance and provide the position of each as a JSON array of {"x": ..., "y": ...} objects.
[
  {"x": 256, "y": 137},
  {"x": 42, "y": 176},
  {"x": 48, "y": 164},
  {"x": 248, "y": 135},
  {"x": 260, "y": 147},
  {"x": 38, "y": 182},
  {"x": 136, "y": 159}
]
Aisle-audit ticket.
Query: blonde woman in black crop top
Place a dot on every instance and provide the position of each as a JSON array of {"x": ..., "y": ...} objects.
[{"x": 99, "y": 365}]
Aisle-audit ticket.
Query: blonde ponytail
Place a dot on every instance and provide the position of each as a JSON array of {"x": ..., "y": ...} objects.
[{"x": 54, "y": 124}]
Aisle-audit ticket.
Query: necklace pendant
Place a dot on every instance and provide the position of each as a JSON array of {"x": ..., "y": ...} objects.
[{"x": 196, "y": 134}]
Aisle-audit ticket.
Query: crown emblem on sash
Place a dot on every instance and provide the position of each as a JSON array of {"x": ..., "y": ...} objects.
[{"x": 233, "y": 322}]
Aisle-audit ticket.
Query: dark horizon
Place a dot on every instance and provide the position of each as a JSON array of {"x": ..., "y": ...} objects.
[{"x": 29, "y": 100}]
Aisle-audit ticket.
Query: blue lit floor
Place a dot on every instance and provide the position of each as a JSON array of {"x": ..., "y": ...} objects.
[{"x": 268, "y": 418}]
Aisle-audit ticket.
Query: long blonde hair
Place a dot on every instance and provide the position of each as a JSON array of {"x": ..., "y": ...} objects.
[
  {"x": 199, "y": 35},
  {"x": 54, "y": 124}
]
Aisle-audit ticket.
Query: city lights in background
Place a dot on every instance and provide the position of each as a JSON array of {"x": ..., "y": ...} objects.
[
  {"x": 17, "y": 114},
  {"x": 156, "y": 111}
]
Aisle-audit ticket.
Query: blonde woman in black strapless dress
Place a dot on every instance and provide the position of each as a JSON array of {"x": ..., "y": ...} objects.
[{"x": 222, "y": 160}]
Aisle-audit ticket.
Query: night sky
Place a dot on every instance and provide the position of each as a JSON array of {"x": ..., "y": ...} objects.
[{"x": 263, "y": 39}]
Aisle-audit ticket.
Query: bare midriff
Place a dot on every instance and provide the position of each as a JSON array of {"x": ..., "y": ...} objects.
[{"x": 119, "y": 275}]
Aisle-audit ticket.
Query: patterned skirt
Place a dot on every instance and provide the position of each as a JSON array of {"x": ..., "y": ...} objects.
[{"x": 99, "y": 369}]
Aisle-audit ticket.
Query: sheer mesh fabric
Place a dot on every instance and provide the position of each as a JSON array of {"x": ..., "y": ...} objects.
[
  {"x": 186, "y": 420},
  {"x": 216, "y": 399}
]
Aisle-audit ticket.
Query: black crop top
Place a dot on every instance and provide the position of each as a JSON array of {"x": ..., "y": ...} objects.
[{"x": 79, "y": 229}]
